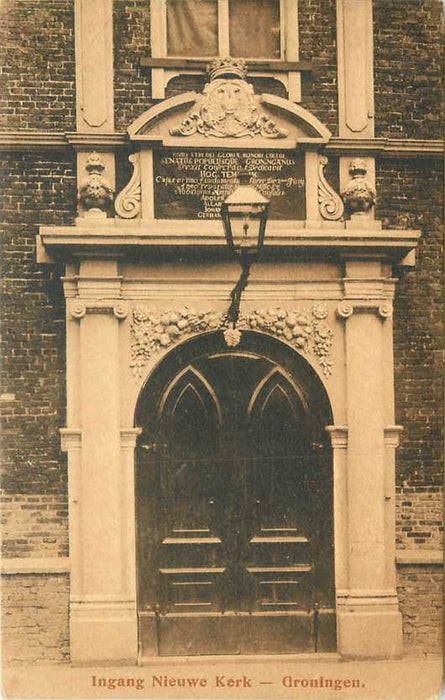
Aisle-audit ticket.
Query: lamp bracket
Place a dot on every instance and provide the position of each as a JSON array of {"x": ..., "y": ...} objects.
[{"x": 246, "y": 260}]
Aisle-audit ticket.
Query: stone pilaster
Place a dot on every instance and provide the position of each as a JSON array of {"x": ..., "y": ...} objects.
[
  {"x": 369, "y": 623},
  {"x": 103, "y": 626}
]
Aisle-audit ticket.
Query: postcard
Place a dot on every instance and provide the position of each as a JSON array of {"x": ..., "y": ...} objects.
[{"x": 223, "y": 332}]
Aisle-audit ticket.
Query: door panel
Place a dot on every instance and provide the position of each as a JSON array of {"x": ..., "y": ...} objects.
[{"x": 234, "y": 514}]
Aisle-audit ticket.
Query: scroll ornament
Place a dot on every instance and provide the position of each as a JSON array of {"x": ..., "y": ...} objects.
[
  {"x": 128, "y": 201},
  {"x": 228, "y": 107},
  {"x": 329, "y": 202},
  {"x": 305, "y": 329}
]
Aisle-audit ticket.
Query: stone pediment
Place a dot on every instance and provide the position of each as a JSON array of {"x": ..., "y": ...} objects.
[{"x": 228, "y": 114}]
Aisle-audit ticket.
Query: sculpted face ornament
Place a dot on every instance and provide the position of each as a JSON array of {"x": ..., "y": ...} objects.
[
  {"x": 227, "y": 107},
  {"x": 95, "y": 192},
  {"x": 358, "y": 196}
]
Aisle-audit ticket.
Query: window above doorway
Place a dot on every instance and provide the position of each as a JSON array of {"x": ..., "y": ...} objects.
[
  {"x": 211, "y": 28},
  {"x": 187, "y": 34}
]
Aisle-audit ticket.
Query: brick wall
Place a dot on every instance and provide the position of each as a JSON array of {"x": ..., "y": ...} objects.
[
  {"x": 419, "y": 518},
  {"x": 34, "y": 526},
  {"x": 132, "y": 84},
  {"x": 35, "y": 619},
  {"x": 317, "y": 36},
  {"x": 410, "y": 196},
  {"x": 408, "y": 65},
  {"x": 36, "y": 188},
  {"x": 420, "y": 590},
  {"x": 37, "y": 55},
  {"x": 419, "y": 526}
]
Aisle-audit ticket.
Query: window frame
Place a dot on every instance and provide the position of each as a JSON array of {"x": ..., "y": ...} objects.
[
  {"x": 267, "y": 67},
  {"x": 223, "y": 30}
]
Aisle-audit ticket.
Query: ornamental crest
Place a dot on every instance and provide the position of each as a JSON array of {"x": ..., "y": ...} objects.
[{"x": 227, "y": 107}]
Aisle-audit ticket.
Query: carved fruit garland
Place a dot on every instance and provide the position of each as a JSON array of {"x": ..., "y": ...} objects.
[{"x": 306, "y": 330}]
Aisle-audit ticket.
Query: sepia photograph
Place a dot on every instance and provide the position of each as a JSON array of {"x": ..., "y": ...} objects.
[{"x": 222, "y": 349}]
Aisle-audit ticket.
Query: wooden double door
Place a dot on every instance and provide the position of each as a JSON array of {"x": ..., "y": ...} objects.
[{"x": 234, "y": 511}]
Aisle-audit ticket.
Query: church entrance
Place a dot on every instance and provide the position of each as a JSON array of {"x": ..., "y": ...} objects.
[{"x": 234, "y": 503}]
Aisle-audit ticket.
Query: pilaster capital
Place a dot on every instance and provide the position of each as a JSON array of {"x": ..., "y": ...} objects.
[
  {"x": 347, "y": 307},
  {"x": 70, "y": 439},
  {"x": 78, "y": 309},
  {"x": 121, "y": 310},
  {"x": 338, "y": 435},
  {"x": 367, "y": 600},
  {"x": 129, "y": 437}
]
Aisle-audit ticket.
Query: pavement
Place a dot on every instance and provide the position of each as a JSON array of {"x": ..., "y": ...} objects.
[{"x": 262, "y": 677}]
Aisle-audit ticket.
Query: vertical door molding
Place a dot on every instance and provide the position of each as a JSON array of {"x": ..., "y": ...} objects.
[{"x": 339, "y": 441}]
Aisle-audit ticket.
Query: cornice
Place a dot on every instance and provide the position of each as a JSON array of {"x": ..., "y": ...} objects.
[
  {"x": 51, "y": 140},
  {"x": 32, "y": 140},
  {"x": 46, "y": 140},
  {"x": 103, "y": 141},
  {"x": 117, "y": 238},
  {"x": 405, "y": 148}
]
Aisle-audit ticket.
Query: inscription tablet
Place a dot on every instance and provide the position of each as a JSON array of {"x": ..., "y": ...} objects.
[{"x": 192, "y": 184}]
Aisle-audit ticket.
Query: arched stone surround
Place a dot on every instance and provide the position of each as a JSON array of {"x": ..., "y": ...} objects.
[{"x": 355, "y": 301}]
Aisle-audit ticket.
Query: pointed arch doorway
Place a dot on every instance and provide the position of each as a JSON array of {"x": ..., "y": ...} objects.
[{"x": 234, "y": 502}]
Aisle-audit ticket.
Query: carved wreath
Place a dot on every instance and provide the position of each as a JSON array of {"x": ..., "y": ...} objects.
[{"x": 306, "y": 330}]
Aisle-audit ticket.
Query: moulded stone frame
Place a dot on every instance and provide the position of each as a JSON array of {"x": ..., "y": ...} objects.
[{"x": 100, "y": 293}]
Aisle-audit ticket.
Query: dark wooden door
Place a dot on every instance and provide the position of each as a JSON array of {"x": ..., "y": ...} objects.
[{"x": 235, "y": 514}]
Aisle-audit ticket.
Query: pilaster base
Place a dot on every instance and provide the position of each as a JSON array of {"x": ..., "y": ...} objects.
[
  {"x": 103, "y": 633},
  {"x": 367, "y": 629}
]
